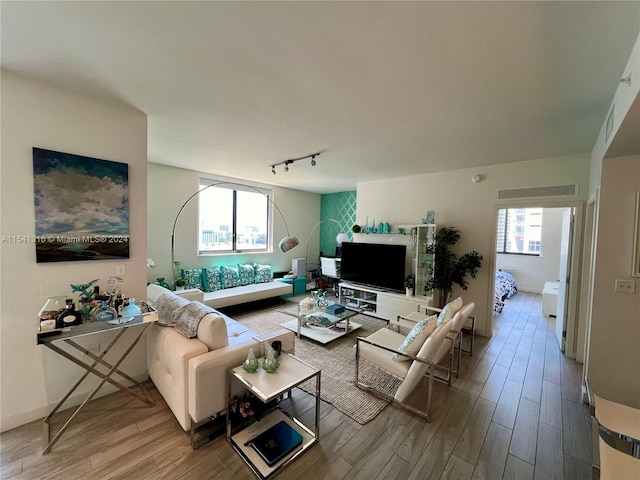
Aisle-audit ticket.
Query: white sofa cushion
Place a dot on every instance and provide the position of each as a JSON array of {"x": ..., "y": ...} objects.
[
  {"x": 246, "y": 293},
  {"x": 212, "y": 331}
]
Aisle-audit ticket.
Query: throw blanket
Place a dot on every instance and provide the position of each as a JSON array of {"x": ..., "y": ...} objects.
[{"x": 181, "y": 314}]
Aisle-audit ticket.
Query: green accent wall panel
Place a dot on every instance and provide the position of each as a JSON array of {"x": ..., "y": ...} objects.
[{"x": 340, "y": 206}]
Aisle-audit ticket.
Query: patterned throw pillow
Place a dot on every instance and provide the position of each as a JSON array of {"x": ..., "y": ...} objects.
[
  {"x": 193, "y": 277},
  {"x": 211, "y": 279},
  {"x": 416, "y": 338},
  {"x": 229, "y": 277},
  {"x": 263, "y": 273},
  {"x": 449, "y": 310},
  {"x": 246, "y": 273}
]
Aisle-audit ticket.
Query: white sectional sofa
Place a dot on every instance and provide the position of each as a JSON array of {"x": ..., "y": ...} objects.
[
  {"x": 237, "y": 295},
  {"x": 190, "y": 373}
]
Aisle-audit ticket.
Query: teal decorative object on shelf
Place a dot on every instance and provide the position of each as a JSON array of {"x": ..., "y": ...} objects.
[
  {"x": 162, "y": 283},
  {"x": 132, "y": 309}
]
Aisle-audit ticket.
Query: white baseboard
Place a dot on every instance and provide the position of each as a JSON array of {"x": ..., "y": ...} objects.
[{"x": 14, "y": 421}]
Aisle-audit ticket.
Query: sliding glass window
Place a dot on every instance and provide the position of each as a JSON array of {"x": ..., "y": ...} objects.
[
  {"x": 520, "y": 231},
  {"x": 232, "y": 219}
]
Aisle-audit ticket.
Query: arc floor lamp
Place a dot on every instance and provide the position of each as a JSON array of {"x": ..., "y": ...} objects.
[
  {"x": 286, "y": 244},
  {"x": 340, "y": 238}
]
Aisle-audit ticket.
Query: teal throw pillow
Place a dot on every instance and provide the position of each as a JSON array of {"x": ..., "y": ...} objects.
[
  {"x": 246, "y": 274},
  {"x": 263, "y": 273},
  {"x": 211, "y": 279},
  {"x": 229, "y": 277},
  {"x": 192, "y": 277}
]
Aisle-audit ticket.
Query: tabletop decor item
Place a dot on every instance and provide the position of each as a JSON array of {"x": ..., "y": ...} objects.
[
  {"x": 251, "y": 363},
  {"x": 271, "y": 362}
]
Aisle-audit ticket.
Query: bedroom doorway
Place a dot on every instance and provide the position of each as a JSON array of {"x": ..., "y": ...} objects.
[{"x": 544, "y": 261}]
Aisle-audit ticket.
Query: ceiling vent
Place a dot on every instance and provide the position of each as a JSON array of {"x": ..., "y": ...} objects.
[{"x": 537, "y": 192}]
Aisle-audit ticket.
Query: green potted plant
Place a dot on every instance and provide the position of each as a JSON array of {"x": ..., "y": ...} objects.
[
  {"x": 180, "y": 283},
  {"x": 449, "y": 269}
]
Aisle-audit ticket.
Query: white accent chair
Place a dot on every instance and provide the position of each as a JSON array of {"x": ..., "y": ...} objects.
[
  {"x": 378, "y": 349},
  {"x": 457, "y": 324}
]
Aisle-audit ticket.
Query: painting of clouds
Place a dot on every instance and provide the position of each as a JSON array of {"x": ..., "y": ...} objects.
[{"x": 82, "y": 207}]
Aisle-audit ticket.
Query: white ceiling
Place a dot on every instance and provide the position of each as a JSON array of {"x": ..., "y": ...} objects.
[{"x": 383, "y": 89}]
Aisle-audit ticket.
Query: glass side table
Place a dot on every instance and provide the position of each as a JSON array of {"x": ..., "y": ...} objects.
[{"x": 266, "y": 387}]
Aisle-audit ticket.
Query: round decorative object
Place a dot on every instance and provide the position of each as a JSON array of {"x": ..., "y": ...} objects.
[
  {"x": 271, "y": 363},
  {"x": 356, "y": 228},
  {"x": 251, "y": 363},
  {"x": 131, "y": 309}
]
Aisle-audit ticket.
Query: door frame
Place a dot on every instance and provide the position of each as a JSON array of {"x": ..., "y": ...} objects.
[{"x": 573, "y": 299}]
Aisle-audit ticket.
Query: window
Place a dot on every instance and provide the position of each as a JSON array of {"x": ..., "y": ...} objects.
[
  {"x": 520, "y": 231},
  {"x": 232, "y": 218}
]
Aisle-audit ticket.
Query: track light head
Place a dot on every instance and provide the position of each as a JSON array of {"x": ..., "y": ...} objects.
[
  {"x": 273, "y": 169},
  {"x": 313, "y": 161},
  {"x": 286, "y": 167}
]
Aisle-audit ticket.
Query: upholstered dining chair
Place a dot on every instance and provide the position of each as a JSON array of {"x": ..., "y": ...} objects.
[{"x": 379, "y": 349}]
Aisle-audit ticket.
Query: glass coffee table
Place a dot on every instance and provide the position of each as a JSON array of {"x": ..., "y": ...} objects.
[{"x": 319, "y": 325}]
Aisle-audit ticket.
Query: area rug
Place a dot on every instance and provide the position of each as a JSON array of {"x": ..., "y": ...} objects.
[{"x": 336, "y": 360}]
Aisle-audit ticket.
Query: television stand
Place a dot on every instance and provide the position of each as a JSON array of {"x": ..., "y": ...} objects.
[{"x": 378, "y": 302}]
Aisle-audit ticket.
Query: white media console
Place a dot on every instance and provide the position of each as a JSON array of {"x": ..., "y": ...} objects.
[{"x": 378, "y": 302}]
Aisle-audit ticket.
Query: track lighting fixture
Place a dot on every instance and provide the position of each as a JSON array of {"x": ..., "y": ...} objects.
[{"x": 288, "y": 162}]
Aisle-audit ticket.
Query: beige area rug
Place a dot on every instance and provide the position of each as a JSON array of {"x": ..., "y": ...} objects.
[{"x": 336, "y": 360}]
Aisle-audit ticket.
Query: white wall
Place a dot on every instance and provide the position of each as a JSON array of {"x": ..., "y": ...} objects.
[
  {"x": 468, "y": 206},
  {"x": 614, "y": 353},
  {"x": 531, "y": 272},
  {"x": 170, "y": 187},
  {"x": 35, "y": 115}
]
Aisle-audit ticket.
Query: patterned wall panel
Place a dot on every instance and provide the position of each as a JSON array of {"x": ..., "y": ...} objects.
[{"x": 339, "y": 206}]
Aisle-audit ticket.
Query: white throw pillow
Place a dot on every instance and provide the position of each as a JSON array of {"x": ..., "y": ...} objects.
[
  {"x": 416, "y": 338},
  {"x": 449, "y": 310}
]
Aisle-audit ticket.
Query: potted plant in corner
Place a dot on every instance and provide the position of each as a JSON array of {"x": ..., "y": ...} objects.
[
  {"x": 449, "y": 269},
  {"x": 409, "y": 284}
]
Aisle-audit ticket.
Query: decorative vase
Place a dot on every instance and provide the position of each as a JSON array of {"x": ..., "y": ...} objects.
[
  {"x": 132, "y": 309},
  {"x": 409, "y": 291},
  {"x": 162, "y": 283}
]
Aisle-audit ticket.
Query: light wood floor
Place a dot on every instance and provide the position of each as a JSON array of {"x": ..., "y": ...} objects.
[{"x": 514, "y": 413}]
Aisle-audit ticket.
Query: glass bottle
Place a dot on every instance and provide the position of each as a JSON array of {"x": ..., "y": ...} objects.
[
  {"x": 69, "y": 315},
  {"x": 104, "y": 313},
  {"x": 131, "y": 309}
]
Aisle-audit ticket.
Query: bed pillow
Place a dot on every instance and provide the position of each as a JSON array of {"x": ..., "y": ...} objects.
[
  {"x": 449, "y": 310},
  {"x": 246, "y": 274},
  {"x": 416, "y": 338},
  {"x": 211, "y": 279},
  {"x": 192, "y": 277},
  {"x": 263, "y": 273},
  {"x": 229, "y": 277}
]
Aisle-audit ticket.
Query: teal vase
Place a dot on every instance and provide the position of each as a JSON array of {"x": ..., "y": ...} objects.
[
  {"x": 162, "y": 283},
  {"x": 131, "y": 309}
]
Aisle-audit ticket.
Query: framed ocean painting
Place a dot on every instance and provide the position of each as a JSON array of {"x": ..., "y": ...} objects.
[{"x": 81, "y": 206}]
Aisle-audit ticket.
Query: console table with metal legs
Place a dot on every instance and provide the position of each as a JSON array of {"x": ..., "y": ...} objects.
[{"x": 57, "y": 339}]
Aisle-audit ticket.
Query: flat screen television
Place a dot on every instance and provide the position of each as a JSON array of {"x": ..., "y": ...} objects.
[{"x": 377, "y": 265}]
